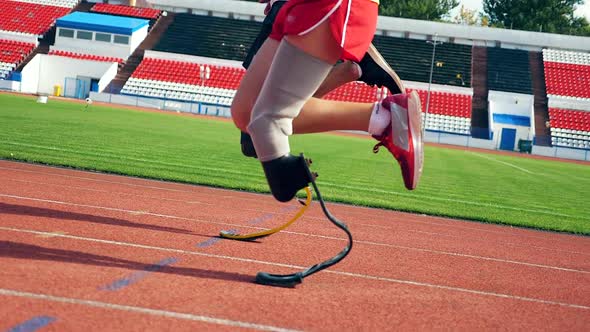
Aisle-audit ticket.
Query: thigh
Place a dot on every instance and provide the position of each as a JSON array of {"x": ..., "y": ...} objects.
[{"x": 251, "y": 83}]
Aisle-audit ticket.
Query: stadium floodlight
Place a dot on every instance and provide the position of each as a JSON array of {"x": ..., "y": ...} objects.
[{"x": 434, "y": 42}]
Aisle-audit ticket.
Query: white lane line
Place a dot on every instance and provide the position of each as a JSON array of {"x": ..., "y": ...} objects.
[
  {"x": 145, "y": 161},
  {"x": 447, "y": 253},
  {"x": 124, "y": 177},
  {"x": 503, "y": 162},
  {"x": 136, "y": 212},
  {"x": 342, "y": 273},
  {"x": 148, "y": 311},
  {"x": 335, "y": 185},
  {"x": 369, "y": 210},
  {"x": 442, "y": 199}
]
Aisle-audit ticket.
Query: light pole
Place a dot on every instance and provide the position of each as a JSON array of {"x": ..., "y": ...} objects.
[{"x": 434, "y": 42}]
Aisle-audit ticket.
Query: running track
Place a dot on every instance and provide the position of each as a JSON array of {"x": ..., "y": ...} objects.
[{"x": 86, "y": 251}]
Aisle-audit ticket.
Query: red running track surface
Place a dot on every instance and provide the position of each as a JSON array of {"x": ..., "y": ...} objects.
[{"x": 104, "y": 252}]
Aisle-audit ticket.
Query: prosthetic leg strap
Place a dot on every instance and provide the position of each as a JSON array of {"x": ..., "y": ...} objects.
[
  {"x": 258, "y": 235},
  {"x": 293, "y": 78}
]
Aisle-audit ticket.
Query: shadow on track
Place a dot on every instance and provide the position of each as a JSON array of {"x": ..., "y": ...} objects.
[
  {"x": 67, "y": 215},
  {"x": 33, "y": 252}
]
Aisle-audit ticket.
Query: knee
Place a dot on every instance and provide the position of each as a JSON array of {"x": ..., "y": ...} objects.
[{"x": 241, "y": 117}]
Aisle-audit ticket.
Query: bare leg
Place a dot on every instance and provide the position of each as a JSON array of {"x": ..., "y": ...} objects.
[{"x": 341, "y": 74}]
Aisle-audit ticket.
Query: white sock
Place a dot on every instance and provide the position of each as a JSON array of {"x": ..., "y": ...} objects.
[{"x": 380, "y": 119}]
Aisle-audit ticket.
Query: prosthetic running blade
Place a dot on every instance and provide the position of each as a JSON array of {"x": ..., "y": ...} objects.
[
  {"x": 265, "y": 233},
  {"x": 291, "y": 280}
]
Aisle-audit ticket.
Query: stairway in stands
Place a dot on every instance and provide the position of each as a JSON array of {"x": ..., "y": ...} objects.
[
  {"x": 135, "y": 59},
  {"x": 542, "y": 133},
  {"x": 479, "y": 83}
]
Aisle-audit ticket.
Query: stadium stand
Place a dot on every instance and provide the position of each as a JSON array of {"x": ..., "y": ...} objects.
[
  {"x": 566, "y": 57},
  {"x": 11, "y": 55},
  {"x": 509, "y": 70},
  {"x": 181, "y": 81},
  {"x": 448, "y": 112},
  {"x": 147, "y": 13},
  {"x": 86, "y": 56},
  {"x": 57, "y": 3},
  {"x": 568, "y": 80},
  {"x": 209, "y": 36},
  {"x": 225, "y": 38},
  {"x": 30, "y": 18},
  {"x": 570, "y": 128},
  {"x": 160, "y": 78},
  {"x": 412, "y": 58},
  {"x": 355, "y": 92}
]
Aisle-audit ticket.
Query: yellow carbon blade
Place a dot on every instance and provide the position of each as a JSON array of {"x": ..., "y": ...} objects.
[{"x": 253, "y": 236}]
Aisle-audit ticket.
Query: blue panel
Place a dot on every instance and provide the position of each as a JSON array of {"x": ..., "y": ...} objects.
[
  {"x": 101, "y": 23},
  {"x": 515, "y": 120},
  {"x": 508, "y": 138}
]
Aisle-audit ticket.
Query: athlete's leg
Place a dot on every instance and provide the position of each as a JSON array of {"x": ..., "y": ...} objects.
[{"x": 341, "y": 73}]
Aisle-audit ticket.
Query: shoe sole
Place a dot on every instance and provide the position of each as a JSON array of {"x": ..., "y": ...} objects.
[
  {"x": 415, "y": 124},
  {"x": 380, "y": 61}
]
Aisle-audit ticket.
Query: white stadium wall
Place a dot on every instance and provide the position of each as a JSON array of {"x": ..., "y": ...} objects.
[
  {"x": 30, "y": 75},
  {"x": 45, "y": 72},
  {"x": 570, "y": 103},
  {"x": 18, "y": 36},
  {"x": 108, "y": 76},
  {"x": 9, "y": 85}
]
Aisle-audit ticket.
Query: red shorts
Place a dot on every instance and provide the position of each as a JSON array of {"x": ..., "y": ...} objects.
[{"x": 353, "y": 22}]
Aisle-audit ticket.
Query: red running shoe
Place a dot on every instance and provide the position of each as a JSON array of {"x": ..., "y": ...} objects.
[{"x": 404, "y": 138}]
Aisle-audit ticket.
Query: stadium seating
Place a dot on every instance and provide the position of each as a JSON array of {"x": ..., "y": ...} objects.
[
  {"x": 355, "y": 92},
  {"x": 209, "y": 36},
  {"x": 86, "y": 56},
  {"x": 570, "y": 128},
  {"x": 11, "y": 55},
  {"x": 509, "y": 70},
  {"x": 412, "y": 58},
  {"x": 579, "y": 58},
  {"x": 30, "y": 18},
  {"x": 226, "y": 38},
  {"x": 57, "y": 3},
  {"x": 448, "y": 112},
  {"x": 160, "y": 78},
  {"x": 181, "y": 81},
  {"x": 147, "y": 13},
  {"x": 567, "y": 79}
]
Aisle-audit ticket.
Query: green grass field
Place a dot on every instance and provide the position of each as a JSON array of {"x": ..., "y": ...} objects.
[{"x": 510, "y": 190}]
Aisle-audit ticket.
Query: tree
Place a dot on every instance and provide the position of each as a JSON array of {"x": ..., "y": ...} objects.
[
  {"x": 434, "y": 10},
  {"x": 466, "y": 17},
  {"x": 555, "y": 16}
]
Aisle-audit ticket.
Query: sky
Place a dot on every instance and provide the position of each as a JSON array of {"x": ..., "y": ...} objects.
[{"x": 583, "y": 10}]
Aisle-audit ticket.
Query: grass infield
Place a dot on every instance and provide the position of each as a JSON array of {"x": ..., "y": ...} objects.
[{"x": 511, "y": 190}]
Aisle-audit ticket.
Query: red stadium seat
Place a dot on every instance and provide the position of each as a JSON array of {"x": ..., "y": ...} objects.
[
  {"x": 147, "y": 13},
  {"x": 29, "y": 17},
  {"x": 86, "y": 56}
]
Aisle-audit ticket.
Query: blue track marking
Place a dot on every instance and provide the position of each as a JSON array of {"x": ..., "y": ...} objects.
[
  {"x": 256, "y": 221},
  {"x": 32, "y": 324},
  {"x": 139, "y": 275}
]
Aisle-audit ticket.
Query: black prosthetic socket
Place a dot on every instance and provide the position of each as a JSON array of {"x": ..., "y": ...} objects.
[
  {"x": 247, "y": 145},
  {"x": 287, "y": 175}
]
